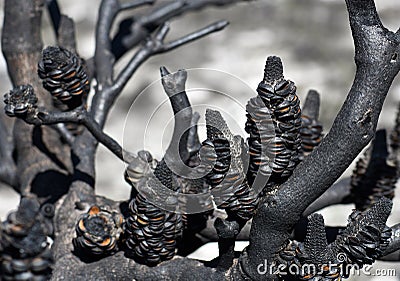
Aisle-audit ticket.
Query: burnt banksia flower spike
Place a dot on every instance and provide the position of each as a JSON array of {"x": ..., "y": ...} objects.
[
  {"x": 152, "y": 233},
  {"x": 98, "y": 231},
  {"x": 282, "y": 147},
  {"x": 311, "y": 129},
  {"x": 316, "y": 252},
  {"x": 233, "y": 193},
  {"x": 313, "y": 259},
  {"x": 375, "y": 175},
  {"x": 261, "y": 130},
  {"x": 26, "y": 254},
  {"x": 217, "y": 141},
  {"x": 395, "y": 134},
  {"x": 64, "y": 75},
  {"x": 279, "y": 96},
  {"x": 366, "y": 235},
  {"x": 20, "y": 100}
]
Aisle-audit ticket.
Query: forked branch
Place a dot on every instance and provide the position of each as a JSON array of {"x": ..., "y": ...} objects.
[{"x": 353, "y": 128}]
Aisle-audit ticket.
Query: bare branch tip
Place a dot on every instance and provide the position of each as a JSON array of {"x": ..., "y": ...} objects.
[
  {"x": 135, "y": 4},
  {"x": 164, "y": 71},
  {"x": 175, "y": 82},
  {"x": 163, "y": 31},
  {"x": 221, "y": 25}
]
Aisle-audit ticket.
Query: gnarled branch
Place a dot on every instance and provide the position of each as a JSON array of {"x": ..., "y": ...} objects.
[{"x": 353, "y": 128}]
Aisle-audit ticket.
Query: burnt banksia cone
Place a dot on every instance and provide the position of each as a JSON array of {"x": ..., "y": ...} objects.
[
  {"x": 279, "y": 96},
  {"x": 366, "y": 235},
  {"x": 311, "y": 128},
  {"x": 274, "y": 153},
  {"x": 227, "y": 179},
  {"x": 217, "y": 141},
  {"x": 375, "y": 175},
  {"x": 261, "y": 129},
  {"x": 20, "y": 100},
  {"x": 152, "y": 233},
  {"x": 311, "y": 257},
  {"x": 26, "y": 254},
  {"x": 64, "y": 75},
  {"x": 98, "y": 231},
  {"x": 363, "y": 240}
]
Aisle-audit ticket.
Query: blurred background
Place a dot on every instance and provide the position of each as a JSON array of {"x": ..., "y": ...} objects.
[{"x": 312, "y": 37}]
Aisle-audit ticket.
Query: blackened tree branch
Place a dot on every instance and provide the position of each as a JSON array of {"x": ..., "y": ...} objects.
[
  {"x": 80, "y": 116},
  {"x": 174, "y": 87},
  {"x": 66, "y": 33},
  {"x": 339, "y": 193},
  {"x": 8, "y": 169},
  {"x": 55, "y": 14},
  {"x": 39, "y": 151},
  {"x": 352, "y": 130},
  {"x": 64, "y": 26},
  {"x": 142, "y": 26},
  {"x": 105, "y": 98},
  {"x": 155, "y": 45}
]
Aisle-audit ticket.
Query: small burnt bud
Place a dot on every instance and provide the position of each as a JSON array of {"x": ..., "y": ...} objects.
[
  {"x": 98, "y": 231},
  {"x": 20, "y": 100}
]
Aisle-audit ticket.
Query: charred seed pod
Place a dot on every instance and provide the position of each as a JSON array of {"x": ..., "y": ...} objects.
[
  {"x": 311, "y": 129},
  {"x": 25, "y": 252},
  {"x": 315, "y": 243},
  {"x": 312, "y": 256},
  {"x": 311, "y": 135},
  {"x": 217, "y": 141},
  {"x": 395, "y": 134},
  {"x": 20, "y": 100},
  {"x": 279, "y": 97},
  {"x": 36, "y": 268},
  {"x": 232, "y": 191},
  {"x": 64, "y": 75},
  {"x": 317, "y": 254},
  {"x": 366, "y": 235},
  {"x": 375, "y": 175},
  {"x": 261, "y": 129},
  {"x": 98, "y": 231},
  {"x": 152, "y": 232}
]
